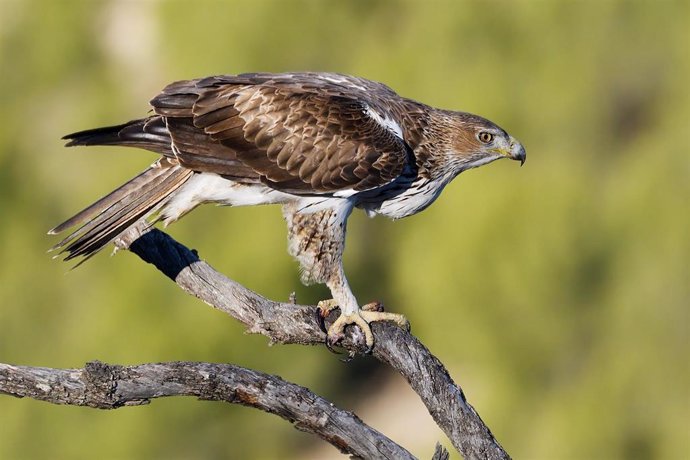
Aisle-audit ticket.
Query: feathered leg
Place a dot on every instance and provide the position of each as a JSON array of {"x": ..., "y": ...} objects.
[{"x": 317, "y": 240}]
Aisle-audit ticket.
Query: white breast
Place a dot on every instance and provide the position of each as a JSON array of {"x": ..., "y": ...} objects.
[{"x": 414, "y": 198}]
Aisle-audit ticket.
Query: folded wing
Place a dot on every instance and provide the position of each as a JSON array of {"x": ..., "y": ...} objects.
[{"x": 300, "y": 133}]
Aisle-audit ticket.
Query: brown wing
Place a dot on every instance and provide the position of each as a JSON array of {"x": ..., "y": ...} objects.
[{"x": 301, "y": 135}]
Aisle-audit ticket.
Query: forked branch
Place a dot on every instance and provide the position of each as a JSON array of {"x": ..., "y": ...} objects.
[
  {"x": 282, "y": 323},
  {"x": 290, "y": 323}
]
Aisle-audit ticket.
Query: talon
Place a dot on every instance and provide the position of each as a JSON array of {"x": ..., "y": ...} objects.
[
  {"x": 350, "y": 357},
  {"x": 337, "y": 329},
  {"x": 362, "y": 318},
  {"x": 373, "y": 306},
  {"x": 330, "y": 344},
  {"x": 396, "y": 318},
  {"x": 334, "y": 339},
  {"x": 320, "y": 319},
  {"x": 327, "y": 306},
  {"x": 323, "y": 309}
]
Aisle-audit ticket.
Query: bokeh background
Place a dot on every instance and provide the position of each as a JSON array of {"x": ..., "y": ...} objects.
[{"x": 557, "y": 294}]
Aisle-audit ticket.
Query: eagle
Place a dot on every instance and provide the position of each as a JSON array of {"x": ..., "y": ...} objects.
[{"x": 318, "y": 144}]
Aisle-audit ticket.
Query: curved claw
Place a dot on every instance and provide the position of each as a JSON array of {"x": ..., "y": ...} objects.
[
  {"x": 370, "y": 312},
  {"x": 362, "y": 318},
  {"x": 323, "y": 309},
  {"x": 350, "y": 357},
  {"x": 337, "y": 330},
  {"x": 330, "y": 348}
]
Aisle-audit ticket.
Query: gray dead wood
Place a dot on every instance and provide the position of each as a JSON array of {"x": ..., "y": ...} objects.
[
  {"x": 291, "y": 323},
  {"x": 105, "y": 386}
]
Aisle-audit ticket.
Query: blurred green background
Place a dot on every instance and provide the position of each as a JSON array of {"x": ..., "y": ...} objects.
[{"x": 557, "y": 294}]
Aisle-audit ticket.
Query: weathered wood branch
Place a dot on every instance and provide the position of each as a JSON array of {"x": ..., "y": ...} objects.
[
  {"x": 106, "y": 386},
  {"x": 291, "y": 323}
]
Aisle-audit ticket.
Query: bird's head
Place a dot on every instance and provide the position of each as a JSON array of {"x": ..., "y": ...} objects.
[{"x": 475, "y": 141}]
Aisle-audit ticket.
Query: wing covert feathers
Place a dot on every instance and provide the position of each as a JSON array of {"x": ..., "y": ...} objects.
[
  {"x": 298, "y": 133},
  {"x": 113, "y": 214}
]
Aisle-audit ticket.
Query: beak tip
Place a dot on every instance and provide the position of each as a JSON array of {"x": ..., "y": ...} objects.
[{"x": 519, "y": 154}]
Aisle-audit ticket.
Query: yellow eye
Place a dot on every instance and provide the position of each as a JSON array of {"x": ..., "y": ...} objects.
[{"x": 486, "y": 137}]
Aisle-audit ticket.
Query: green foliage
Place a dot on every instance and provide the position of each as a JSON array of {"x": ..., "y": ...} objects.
[{"x": 557, "y": 293}]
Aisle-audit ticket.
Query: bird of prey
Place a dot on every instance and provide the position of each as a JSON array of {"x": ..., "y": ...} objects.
[{"x": 318, "y": 144}]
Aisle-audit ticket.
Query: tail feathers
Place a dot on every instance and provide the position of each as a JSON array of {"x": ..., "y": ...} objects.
[
  {"x": 115, "y": 213},
  {"x": 147, "y": 133}
]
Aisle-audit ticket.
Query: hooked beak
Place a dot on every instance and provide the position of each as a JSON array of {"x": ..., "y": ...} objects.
[{"x": 517, "y": 151}]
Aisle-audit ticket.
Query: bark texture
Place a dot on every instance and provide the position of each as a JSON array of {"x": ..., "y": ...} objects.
[{"x": 105, "y": 386}]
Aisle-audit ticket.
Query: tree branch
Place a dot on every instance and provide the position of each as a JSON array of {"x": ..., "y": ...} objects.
[
  {"x": 291, "y": 323},
  {"x": 104, "y": 386}
]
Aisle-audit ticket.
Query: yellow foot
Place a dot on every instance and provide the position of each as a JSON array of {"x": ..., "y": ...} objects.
[{"x": 368, "y": 313}]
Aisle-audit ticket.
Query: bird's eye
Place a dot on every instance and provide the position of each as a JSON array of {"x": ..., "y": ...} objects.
[{"x": 485, "y": 137}]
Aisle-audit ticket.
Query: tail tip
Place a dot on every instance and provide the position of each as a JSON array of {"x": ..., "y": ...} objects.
[{"x": 72, "y": 140}]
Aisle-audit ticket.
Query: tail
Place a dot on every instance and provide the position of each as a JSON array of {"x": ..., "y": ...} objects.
[
  {"x": 147, "y": 133},
  {"x": 109, "y": 217}
]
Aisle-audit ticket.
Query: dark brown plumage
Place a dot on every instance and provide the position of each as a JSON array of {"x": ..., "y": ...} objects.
[
  {"x": 297, "y": 136},
  {"x": 319, "y": 144}
]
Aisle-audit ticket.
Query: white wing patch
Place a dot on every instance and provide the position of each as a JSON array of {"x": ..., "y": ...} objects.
[
  {"x": 385, "y": 121},
  {"x": 342, "y": 80},
  {"x": 345, "y": 193}
]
